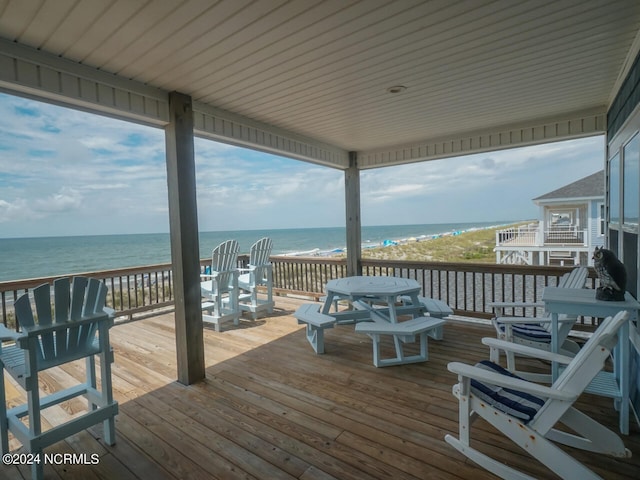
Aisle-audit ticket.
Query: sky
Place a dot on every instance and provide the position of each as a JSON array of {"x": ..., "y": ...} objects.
[{"x": 66, "y": 172}]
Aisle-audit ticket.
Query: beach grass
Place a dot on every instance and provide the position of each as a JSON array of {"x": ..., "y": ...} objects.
[{"x": 471, "y": 247}]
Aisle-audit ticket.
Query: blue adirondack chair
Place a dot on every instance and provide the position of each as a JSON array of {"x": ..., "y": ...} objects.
[
  {"x": 219, "y": 286},
  {"x": 76, "y": 327},
  {"x": 258, "y": 276}
]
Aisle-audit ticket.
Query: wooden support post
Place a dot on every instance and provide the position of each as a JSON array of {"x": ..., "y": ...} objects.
[
  {"x": 185, "y": 249},
  {"x": 352, "y": 201}
]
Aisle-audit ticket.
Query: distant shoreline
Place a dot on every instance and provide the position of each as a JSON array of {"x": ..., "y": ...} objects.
[{"x": 337, "y": 252}]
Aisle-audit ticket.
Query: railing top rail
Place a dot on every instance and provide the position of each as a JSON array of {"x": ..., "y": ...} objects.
[
  {"x": 301, "y": 259},
  {"x": 119, "y": 272},
  {"x": 549, "y": 270}
]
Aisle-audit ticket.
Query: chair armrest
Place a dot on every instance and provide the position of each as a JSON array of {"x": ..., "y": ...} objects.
[
  {"x": 526, "y": 351},
  {"x": 540, "y": 320},
  {"x": 494, "y": 378},
  {"x": 41, "y": 329},
  {"x": 216, "y": 274},
  {"x": 7, "y": 334}
]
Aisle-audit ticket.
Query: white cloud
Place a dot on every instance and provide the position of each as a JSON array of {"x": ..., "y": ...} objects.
[
  {"x": 67, "y": 199},
  {"x": 10, "y": 211}
]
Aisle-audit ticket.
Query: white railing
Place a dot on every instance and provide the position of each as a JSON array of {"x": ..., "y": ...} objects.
[
  {"x": 565, "y": 234},
  {"x": 532, "y": 235},
  {"x": 466, "y": 287},
  {"x": 521, "y": 235}
]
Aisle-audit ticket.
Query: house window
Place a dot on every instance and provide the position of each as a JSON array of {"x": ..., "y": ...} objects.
[
  {"x": 601, "y": 219},
  {"x": 631, "y": 173},
  {"x": 614, "y": 189}
]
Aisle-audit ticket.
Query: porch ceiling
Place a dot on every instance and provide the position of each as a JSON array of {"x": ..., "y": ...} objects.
[{"x": 308, "y": 79}]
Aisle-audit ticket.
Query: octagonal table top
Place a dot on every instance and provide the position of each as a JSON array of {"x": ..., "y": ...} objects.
[{"x": 368, "y": 285}]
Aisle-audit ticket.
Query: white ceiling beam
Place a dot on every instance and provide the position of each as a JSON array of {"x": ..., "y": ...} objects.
[
  {"x": 221, "y": 125},
  {"x": 583, "y": 124},
  {"x": 29, "y": 72}
]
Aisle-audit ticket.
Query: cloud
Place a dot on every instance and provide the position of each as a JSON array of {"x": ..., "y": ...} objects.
[
  {"x": 10, "y": 211},
  {"x": 66, "y": 200}
]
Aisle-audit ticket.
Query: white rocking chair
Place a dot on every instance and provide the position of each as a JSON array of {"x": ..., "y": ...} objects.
[
  {"x": 536, "y": 331},
  {"x": 258, "y": 276},
  {"x": 79, "y": 328},
  {"x": 526, "y": 412},
  {"x": 220, "y": 285}
]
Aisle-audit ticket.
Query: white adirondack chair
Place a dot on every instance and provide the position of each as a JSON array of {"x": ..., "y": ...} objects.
[
  {"x": 536, "y": 331},
  {"x": 258, "y": 276},
  {"x": 527, "y": 412},
  {"x": 220, "y": 286},
  {"x": 78, "y": 328}
]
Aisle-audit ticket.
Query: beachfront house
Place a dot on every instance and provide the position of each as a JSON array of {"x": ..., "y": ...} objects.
[
  {"x": 350, "y": 85},
  {"x": 571, "y": 223}
]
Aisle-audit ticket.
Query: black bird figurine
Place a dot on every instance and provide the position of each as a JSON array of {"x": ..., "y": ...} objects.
[{"x": 612, "y": 275}]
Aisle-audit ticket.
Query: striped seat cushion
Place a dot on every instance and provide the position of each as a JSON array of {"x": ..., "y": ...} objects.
[
  {"x": 512, "y": 402},
  {"x": 530, "y": 331}
]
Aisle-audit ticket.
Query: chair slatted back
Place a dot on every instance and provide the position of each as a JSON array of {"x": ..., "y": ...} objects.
[
  {"x": 576, "y": 278},
  {"x": 260, "y": 252},
  {"x": 53, "y": 346},
  {"x": 259, "y": 258},
  {"x": 224, "y": 262}
]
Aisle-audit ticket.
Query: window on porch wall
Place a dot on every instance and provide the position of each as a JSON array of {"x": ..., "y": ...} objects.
[
  {"x": 631, "y": 174},
  {"x": 623, "y": 194},
  {"x": 630, "y": 209},
  {"x": 602, "y": 220}
]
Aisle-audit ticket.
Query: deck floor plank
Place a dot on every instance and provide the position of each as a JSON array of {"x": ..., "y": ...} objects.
[{"x": 271, "y": 408}]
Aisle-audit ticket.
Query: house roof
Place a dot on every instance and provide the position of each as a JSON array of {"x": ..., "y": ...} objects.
[
  {"x": 311, "y": 79},
  {"x": 591, "y": 186}
]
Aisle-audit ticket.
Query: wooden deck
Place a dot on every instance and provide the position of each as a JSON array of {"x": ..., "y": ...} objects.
[{"x": 270, "y": 408}]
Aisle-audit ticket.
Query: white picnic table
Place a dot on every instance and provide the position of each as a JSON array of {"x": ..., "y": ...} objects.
[
  {"x": 374, "y": 298},
  {"x": 377, "y": 303}
]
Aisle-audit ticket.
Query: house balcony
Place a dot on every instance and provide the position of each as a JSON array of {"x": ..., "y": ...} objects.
[
  {"x": 533, "y": 235},
  {"x": 533, "y": 244},
  {"x": 271, "y": 408}
]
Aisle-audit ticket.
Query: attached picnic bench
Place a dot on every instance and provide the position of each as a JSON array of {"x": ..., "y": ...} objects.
[
  {"x": 402, "y": 332},
  {"x": 437, "y": 309},
  {"x": 315, "y": 321}
]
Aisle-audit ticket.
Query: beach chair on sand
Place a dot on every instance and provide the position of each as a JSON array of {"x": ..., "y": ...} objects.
[
  {"x": 256, "y": 281},
  {"x": 77, "y": 327},
  {"x": 536, "y": 331},
  {"x": 527, "y": 412},
  {"x": 220, "y": 285}
]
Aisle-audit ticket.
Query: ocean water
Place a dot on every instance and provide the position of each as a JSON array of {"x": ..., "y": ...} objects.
[{"x": 22, "y": 258}]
